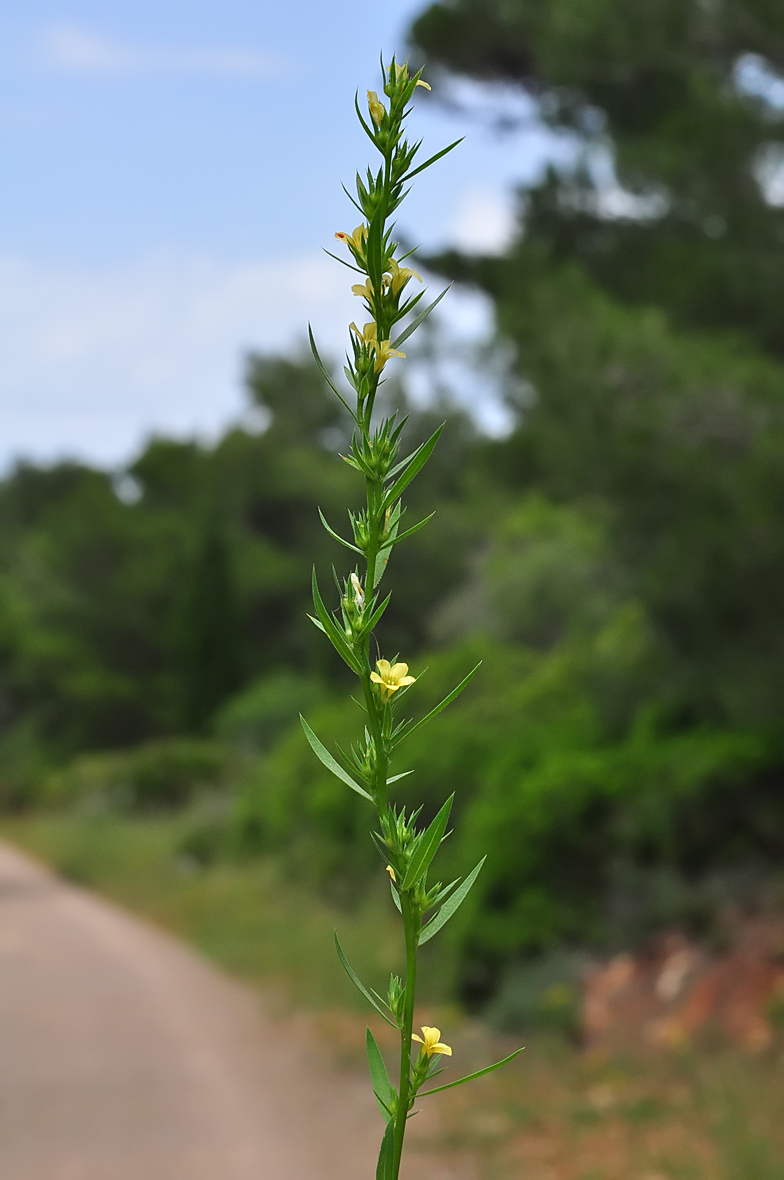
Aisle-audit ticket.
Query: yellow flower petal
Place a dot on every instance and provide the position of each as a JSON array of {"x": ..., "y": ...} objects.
[
  {"x": 376, "y": 108},
  {"x": 356, "y": 238},
  {"x": 399, "y": 275},
  {"x": 432, "y": 1042},
  {"x": 391, "y": 679}
]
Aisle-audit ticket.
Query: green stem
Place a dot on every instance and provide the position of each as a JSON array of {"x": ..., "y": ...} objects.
[
  {"x": 371, "y": 700},
  {"x": 371, "y": 704},
  {"x": 410, "y": 925}
]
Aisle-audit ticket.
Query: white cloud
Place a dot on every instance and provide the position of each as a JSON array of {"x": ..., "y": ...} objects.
[
  {"x": 77, "y": 50},
  {"x": 95, "y": 360},
  {"x": 484, "y": 222}
]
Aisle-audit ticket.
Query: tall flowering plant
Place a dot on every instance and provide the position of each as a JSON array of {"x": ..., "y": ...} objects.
[{"x": 408, "y": 850}]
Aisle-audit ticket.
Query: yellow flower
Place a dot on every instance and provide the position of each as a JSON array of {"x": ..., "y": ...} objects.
[
  {"x": 432, "y": 1042},
  {"x": 376, "y": 108},
  {"x": 382, "y": 348},
  {"x": 391, "y": 678},
  {"x": 399, "y": 275},
  {"x": 368, "y": 333},
  {"x": 384, "y": 351},
  {"x": 401, "y": 74},
  {"x": 391, "y": 872},
  {"x": 365, "y": 290},
  {"x": 355, "y": 239}
]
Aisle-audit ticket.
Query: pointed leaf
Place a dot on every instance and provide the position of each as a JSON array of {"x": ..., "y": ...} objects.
[
  {"x": 322, "y": 369},
  {"x": 443, "y": 893},
  {"x": 414, "y": 528},
  {"x": 383, "y": 554},
  {"x": 377, "y": 613},
  {"x": 417, "y": 463},
  {"x": 336, "y": 536},
  {"x": 386, "y": 1156},
  {"x": 382, "y": 1087},
  {"x": 396, "y": 897},
  {"x": 450, "y": 906},
  {"x": 324, "y": 756},
  {"x": 353, "y": 202},
  {"x": 361, "y": 119},
  {"x": 433, "y": 159},
  {"x": 443, "y": 704},
  {"x": 427, "y": 846},
  {"x": 336, "y": 637},
  {"x": 396, "y": 777},
  {"x": 412, "y": 327},
  {"x": 343, "y": 262},
  {"x": 358, "y": 983},
  {"x": 470, "y": 1077}
]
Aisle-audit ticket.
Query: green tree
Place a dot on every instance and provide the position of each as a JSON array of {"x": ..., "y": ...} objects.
[{"x": 683, "y": 99}]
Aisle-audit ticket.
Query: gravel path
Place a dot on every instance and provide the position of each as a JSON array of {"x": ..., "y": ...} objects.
[{"x": 127, "y": 1057}]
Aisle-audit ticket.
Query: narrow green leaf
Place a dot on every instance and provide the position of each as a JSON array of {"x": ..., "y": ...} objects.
[
  {"x": 396, "y": 777},
  {"x": 427, "y": 846},
  {"x": 408, "y": 306},
  {"x": 414, "y": 528},
  {"x": 449, "y": 907},
  {"x": 326, "y": 758},
  {"x": 432, "y": 159},
  {"x": 336, "y": 637},
  {"x": 343, "y": 262},
  {"x": 377, "y": 613},
  {"x": 403, "y": 462},
  {"x": 412, "y": 327},
  {"x": 353, "y": 202},
  {"x": 382, "y": 1087},
  {"x": 443, "y": 893},
  {"x": 351, "y": 378},
  {"x": 386, "y": 1156},
  {"x": 358, "y": 983},
  {"x": 368, "y": 132},
  {"x": 470, "y": 1077},
  {"x": 446, "y": 701},
  {"x": 383, "y": 554},
  {"x": 374, "y": 247},
  {"x": 417, "y": 463},
  {"x": 336, "y": 536},
  {"x": 395, "y": 897},
  {"x": 322, "y": 369}
]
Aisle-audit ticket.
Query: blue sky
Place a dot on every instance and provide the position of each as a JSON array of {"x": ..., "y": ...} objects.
[{"x": 171, "y": 173}]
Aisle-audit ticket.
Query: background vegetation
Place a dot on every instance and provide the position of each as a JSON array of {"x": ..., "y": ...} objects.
[{"x": 617, "y": 560}]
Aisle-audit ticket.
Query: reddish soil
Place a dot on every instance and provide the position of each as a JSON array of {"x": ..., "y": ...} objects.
[{"x": 675, "y": 990}]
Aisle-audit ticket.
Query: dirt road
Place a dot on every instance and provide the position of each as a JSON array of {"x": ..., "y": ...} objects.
[{"x": 124, "y": 1056}]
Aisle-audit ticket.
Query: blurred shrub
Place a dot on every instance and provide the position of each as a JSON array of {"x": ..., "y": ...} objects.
[
  {"x": 162, "y": 774},
  {"x": 571, "y": 806},
  {"x": 541, "y": 993},
  {"x": 254, "y": 718}
]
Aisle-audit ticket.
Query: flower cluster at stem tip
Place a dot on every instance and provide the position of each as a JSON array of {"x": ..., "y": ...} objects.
[{"x": 386, "y": 277}]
